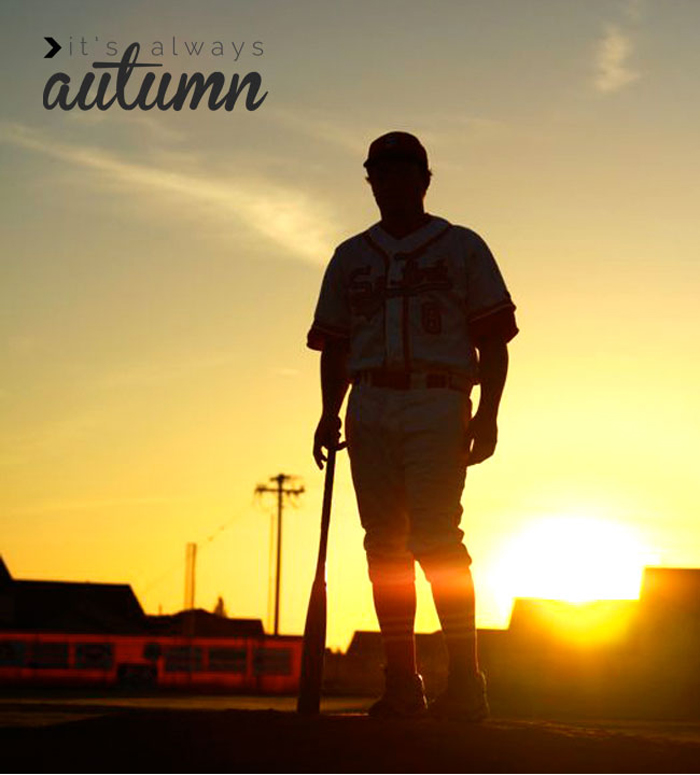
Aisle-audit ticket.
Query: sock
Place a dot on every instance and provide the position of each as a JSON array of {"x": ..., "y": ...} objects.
[
  {"x": 454, "y": 598},
  {"x": 395, "y": 604}
]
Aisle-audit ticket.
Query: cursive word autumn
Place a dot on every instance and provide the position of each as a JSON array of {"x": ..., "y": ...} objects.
[{"x": 57, "y": 91}]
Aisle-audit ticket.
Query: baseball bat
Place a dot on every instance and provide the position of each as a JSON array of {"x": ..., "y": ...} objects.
[{"x": 311, "y": 680}]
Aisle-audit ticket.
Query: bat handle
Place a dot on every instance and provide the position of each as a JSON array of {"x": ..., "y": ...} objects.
[{"x": 326, "y": 509}]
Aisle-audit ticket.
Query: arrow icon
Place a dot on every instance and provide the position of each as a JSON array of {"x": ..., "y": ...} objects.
[{"x": 55, "y": 48}]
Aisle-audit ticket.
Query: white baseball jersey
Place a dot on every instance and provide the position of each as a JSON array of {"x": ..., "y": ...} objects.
[{"x": 420, "y": 303}]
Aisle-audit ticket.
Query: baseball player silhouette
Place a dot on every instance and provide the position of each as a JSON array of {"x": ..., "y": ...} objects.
[{"x": 413, "y": 312}]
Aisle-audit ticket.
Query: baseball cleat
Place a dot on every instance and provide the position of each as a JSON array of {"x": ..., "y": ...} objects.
[
  {"x": 463, "y": 701},
  {"x": 402, "y": 698}
]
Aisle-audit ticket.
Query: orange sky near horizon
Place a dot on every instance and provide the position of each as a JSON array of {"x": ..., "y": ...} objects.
[{"x": 160, "y": 271}]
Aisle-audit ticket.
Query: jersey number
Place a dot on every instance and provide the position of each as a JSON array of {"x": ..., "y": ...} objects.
[{"x": 430, "y": 316}]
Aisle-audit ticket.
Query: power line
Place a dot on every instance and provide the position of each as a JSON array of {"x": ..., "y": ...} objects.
[{"x": 202, "y": 544}]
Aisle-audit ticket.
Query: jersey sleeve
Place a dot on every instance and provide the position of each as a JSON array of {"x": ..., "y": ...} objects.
[
  {"x": 490, "y": 309},
  {"x": 332, "y": 317}
]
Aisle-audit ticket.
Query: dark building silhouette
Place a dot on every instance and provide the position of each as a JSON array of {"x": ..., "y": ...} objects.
[
  {"x": 67, "y": 606},
  {"x": 5, "y": 577},
  {"x": 631, "y": 658},
  {"x": 84, "y": 607},
  {"x": 205, "y": 624},
  {"x": 625, "y": 658},
  {"x": 62, "y": 606},
  {"x": 56, "y": 633}
]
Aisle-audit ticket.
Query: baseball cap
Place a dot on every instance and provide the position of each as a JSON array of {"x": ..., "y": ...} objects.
[{"x": 397, "y": 145}]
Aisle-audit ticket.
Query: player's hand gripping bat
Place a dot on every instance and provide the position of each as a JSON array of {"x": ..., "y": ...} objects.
[{"x": 309, "y": 701}]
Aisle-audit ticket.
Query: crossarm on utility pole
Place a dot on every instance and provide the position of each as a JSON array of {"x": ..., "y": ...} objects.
[{"x": 280, "y": 491}]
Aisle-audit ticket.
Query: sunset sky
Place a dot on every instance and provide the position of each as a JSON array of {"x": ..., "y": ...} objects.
[{"x": 160, "y": 271}]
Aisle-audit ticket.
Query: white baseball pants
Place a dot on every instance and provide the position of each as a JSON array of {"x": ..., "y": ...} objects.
[{"x": 408, "y": 457}]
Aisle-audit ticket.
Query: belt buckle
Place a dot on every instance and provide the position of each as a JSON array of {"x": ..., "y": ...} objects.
[{"x": 395, "y": 380}]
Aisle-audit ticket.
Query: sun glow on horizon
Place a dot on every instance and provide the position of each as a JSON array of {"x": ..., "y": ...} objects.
[{"x": 573, "y": 559}]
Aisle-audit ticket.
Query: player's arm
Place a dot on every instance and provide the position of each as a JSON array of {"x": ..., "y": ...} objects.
[
  {"x": 491, "y": 320},
  {"x": 334, "y": 386},
  {"x": 482, "y": 433},
  {"x": 493, "y": 370},
  {"x": 330, "y": 334}
]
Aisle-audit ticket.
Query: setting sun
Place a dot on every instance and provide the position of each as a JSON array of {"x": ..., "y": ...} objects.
[{"x": 575, "y": 559}]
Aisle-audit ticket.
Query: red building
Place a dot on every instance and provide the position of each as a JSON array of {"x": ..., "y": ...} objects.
[{"x": 83, "y": 634}]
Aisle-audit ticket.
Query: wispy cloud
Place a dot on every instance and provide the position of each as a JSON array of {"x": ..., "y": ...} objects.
[
  {"x": 613, "y": 53},
  {"x": 285, "y": 371},
  {"x": 149, "y": 373},
  {"x": 301, "y": 225},
  {"x": 353, "y": 139},
  {"x": 57, "y": 506},
  {"x": 634, "y": 9},
  {"x": 327, "y": 129},
  {"x": 148, "y": 126},
  {"x": 49, "y": 439}
]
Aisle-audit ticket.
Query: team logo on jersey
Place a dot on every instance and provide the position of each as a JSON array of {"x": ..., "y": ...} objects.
[
  {"x": 417, "y": 279},
  {"x": 366, "y": 297}
]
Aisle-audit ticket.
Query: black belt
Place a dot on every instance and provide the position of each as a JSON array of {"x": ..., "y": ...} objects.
[{"x": 406, "y": 380}]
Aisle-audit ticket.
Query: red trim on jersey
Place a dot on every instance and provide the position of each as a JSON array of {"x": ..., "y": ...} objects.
[
  {"x": 504, "y": 303},
  {"x": 413, "y": 253},
  {"x": 320, "y": 334}
]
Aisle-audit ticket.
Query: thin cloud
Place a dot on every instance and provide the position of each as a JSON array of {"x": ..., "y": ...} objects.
[
  {"x": 149, "y": 126},
  {"x": 284, "y": 371},
  {"x": 145, "y": 374},
  {"x": 319, "y": 126},
  {"x": 612, "y": 61},
  {"x": 50, "y": 438},
  {"x": 634, "y": 9},
  {"x": 444, "y": 130},
  {"x": 57, "y": 506},
  {"x": 286, "y": 216}
]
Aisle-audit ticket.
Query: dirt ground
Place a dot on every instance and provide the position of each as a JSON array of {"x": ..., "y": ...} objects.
[{"x": 89, "y": 736}]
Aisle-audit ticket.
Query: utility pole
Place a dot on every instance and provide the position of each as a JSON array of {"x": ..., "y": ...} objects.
[
  {"x": 190, "y": 560},
  {"x": 280, "y": 479},
  {"x": 190, "y": 571}
]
